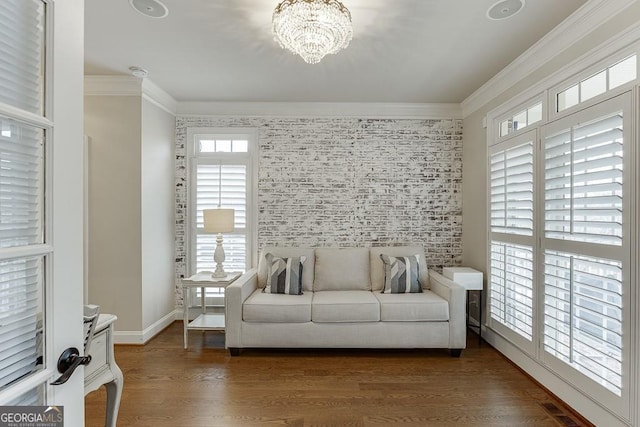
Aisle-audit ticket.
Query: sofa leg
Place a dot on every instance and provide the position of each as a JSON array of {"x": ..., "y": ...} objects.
[
  {"x": 455, "y": 352},
  {"x": 234, "y": 351}
]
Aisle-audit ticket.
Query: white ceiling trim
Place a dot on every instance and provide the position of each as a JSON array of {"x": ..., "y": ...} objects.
[
  {"x": 586, "y": 19},
  {"x": 112, "y": 86},
  {"x": 154, "y": 94},
  {"x": 321, "y": 109},
  {"x": 129, "y": 86}
]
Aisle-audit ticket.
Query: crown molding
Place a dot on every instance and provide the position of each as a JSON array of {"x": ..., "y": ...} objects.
[
  {"x": 129, "y": 86},
  {"x": 587, "y": 18},
  {"x": 156, "y": 95},
  {"x": 112, "y": 86},
  {"x": 321, "y": 109}
]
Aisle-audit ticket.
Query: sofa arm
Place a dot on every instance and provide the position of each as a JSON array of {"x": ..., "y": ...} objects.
[
  {"x": 234, "y": 296},
  {"x": 456, "y": 296}
]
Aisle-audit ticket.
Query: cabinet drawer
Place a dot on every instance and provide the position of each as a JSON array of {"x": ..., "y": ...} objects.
[{"x": 98, "y": 352}]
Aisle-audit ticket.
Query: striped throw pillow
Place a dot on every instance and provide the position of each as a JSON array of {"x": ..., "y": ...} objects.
[
  {"x": 401, "y": 274},
  {"x": 284, "y": 275}
]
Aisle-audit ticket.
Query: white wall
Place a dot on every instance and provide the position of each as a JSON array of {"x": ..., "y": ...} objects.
[
  {"x": 131, "y": 206},
  {"x": 158, "y": 140},
  {"x": 113, "y": 126}
]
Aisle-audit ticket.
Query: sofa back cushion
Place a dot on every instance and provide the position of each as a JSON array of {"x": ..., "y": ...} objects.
[
  {"x": 287, "y": 252},
  {"x": 342, "y": 269},
  {"x": 377, "y": 266}
]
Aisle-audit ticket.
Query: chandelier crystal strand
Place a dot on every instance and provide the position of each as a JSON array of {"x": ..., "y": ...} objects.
[{"x": 312, "y": 28}]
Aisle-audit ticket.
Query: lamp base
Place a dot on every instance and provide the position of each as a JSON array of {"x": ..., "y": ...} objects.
[
  {"x": 218, "y": 257},
  {"x": 219, "y": 274}
]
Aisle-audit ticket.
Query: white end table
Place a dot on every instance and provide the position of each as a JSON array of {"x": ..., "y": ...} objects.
[
  {"x": 103, "y": 368},
  {"x": 471, "y": 280},
  {"x": 205, "y": 321}
]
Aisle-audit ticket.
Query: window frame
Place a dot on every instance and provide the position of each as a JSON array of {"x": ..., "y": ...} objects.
[
  {"x": 623, "y": 253},
  {"x": 586, "y": 73},
  {"x": 526, "y": 135},
  {"x": 494, "y": 131},
  {"x": 249, "y": 158},
  {"x": 33, "y": 383}
]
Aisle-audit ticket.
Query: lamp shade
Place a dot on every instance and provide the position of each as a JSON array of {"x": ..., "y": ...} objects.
[{"x": 218, "y": 220}]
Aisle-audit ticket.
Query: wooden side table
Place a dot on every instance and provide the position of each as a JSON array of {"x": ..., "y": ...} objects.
[
  {"x": 103, "y": 368},
  {"x": 471, "y": 280},
  {"x": 205, "y": 321}
]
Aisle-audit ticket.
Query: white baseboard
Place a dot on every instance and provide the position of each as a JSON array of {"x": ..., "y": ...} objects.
[{"x": 142, "y": 337}]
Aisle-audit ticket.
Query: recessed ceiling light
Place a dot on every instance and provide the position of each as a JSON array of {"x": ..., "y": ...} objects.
[
  {"x": 504, "y": 9},
  {"x": 150, "y": 8}
]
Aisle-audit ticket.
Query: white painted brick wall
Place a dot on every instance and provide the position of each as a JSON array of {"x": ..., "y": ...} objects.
[{"x": 347, "y": 182}]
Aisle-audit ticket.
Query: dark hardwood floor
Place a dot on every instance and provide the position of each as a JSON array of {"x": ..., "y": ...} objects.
[{"x": 165, "y": 385}]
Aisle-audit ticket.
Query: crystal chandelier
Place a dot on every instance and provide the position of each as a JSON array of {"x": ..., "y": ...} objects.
[{"x": 312, "y": 28}]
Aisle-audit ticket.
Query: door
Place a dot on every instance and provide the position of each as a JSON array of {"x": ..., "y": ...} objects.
[{"x": 40, "y": 202}]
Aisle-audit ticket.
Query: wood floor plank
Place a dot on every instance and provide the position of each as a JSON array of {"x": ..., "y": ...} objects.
[{"x": 166, "y": 385}]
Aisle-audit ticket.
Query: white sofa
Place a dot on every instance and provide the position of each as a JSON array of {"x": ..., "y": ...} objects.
[{"x": 342, "y": 305}]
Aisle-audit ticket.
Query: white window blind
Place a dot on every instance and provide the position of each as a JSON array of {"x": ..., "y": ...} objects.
[
  {"x": 512, "y": 190},
  {"x": 22, "y": 54},
  {"x": 225, "y": 184},
  {"x": 20, "y": 305},
  {"x": 22, "y": 189},
  {"x": 21, "y": 184},
  {"x": 511, "y": 287},
  {"x": 583, "y": 182},
  {"x": 583, "y": 315}
]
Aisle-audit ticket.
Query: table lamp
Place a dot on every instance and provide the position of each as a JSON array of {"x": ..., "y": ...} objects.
[{"x": 218, "y": 221}]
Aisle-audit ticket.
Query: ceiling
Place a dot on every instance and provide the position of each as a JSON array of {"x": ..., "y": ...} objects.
[{"x": 406, "y": 51}]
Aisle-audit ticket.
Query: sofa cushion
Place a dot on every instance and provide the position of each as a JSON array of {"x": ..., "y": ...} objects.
[
  {"x": 344, "y": 306},
  {"x": 277, "y": 308},
  {"x": 401, "y": 274},
  {"x": 377, "y": 267},
  {"x": 284, "y": 274},
  {"x": 287, "y": 252},
  {"x": 342, "y": 269},
  {"x": 425, "y": 306}
]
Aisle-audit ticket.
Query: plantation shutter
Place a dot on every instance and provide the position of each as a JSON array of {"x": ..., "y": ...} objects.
[
  {"x": 583, "y": 182},
  {"x": 227, "y": 184},
  {"x": 584, "y": 245},
  {"x": 511, "y": 252},
  {"x": 21, "y": 188},
  {"x": 511, "y": 282},
  {"x": 512, "y": 190}
]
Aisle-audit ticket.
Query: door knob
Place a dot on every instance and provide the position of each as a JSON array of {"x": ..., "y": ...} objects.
[{"x": 68, "y": 361}]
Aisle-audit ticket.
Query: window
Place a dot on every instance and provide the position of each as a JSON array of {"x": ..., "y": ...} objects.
[
  {"x": 221, "y": 175},
  {"x": 521, "y": 120},
  {"x": 581, "y": 234},
  {"x": 24, "y": 250},
  {"x": 511, "y": 301},
  {"x": 511, "y": 281},
  {"x": 609, "y": 78},
  {"x": 586, "y": 242}
]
